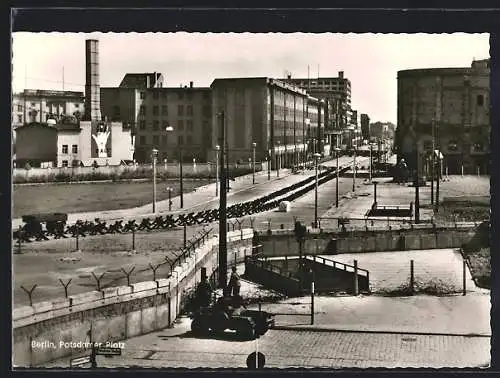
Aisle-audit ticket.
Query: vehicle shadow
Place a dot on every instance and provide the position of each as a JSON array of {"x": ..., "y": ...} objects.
[{"x": 223, "y": 336}]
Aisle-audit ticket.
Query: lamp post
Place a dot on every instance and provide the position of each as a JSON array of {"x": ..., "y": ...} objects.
[
  {"x": 253, "y": 161},
  {"x": 354, "y": 171},
  {"x": 169, "y": 128},
  {"x": 154, "y": 154},
  {"x": 217, "y": 149},
  {"x": 337, "y": 152},
  {"x": 222, "y": 255},
  {"x": 316, "y": 158},
  {"x": 278, "y": 162},
  {"x": 169, "y": 189},
  {"x": 371, "y": 161},
  {"x": 268, "y": 163},
  {"x": 308, "y": 124}
]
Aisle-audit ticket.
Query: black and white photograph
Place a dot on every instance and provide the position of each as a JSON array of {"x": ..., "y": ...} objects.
[{"x": 250, "y": 200}]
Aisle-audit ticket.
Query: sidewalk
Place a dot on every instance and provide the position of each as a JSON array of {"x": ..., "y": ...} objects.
[{"x": 453, "y": 315}]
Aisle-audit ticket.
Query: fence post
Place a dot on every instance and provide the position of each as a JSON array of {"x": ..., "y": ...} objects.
[
  {"x": 412, "y": 278},
  {"x": 312, "y": 297},
  {"x": 127, "y": 274},
  {"x": 356, "y": 288},
  {"x": 30, "y": 293},
  {"x": 98, "y": 280},
  {"x": 133, "y": 239},
  {"x": 464, "y": 267},
  {"x": 65, "y": 285},
  {"x": 77, "y": 237}
]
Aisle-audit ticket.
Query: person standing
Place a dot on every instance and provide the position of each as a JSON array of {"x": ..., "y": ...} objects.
[{"x": 234, "y": 282}]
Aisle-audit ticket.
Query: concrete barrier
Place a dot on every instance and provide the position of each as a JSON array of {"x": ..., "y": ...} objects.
[{"x": 115, "y": 313}]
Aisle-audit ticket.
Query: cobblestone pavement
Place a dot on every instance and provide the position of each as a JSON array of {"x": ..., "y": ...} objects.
[{"x": 176, "y": 348}]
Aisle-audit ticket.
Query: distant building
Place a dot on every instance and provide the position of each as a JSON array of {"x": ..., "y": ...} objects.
[
  {"x": 39, "y": 105},
  {"x": 72, "y": 143},
  {"x": 336, "y": 92},
  {"x": 457, "y": 102},
  {"x": 150, "y": 108},
  {"x": 365, "y": 126},
  {"x": 282, "y": 119}
]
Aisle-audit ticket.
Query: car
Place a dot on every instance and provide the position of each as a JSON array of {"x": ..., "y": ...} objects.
[{"x": 217, "y": 318}]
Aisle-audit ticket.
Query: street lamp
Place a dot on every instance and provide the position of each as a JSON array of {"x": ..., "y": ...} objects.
[
  {"x": 354, "y": 171},
  {"x": 308, "y": 124},
  {"x": 154, "y": 154},
  {"x": 169, "y": 128},
  {"x": 253, "y": 161},
  {"x": 268, "y": 163},
  {"x": 278, "y": 163},
  {"x": 217, "y": 149},
  {"x": 316, "y": 158},
  {"x": 371, "y": 161},
  {"x": 337, "y": 152},
  {"x": 169, "y": 189}
]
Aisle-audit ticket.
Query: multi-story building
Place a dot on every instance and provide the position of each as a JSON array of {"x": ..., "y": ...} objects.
[
  {"x": 447, "y": 108},
  {"x": 39, "y": 105},
  {"x": 336, "y": 93},
  {"x": 281, "y": 118},
  {"x": 143, "y": 102},
  {"x": 365, "y": 126}
]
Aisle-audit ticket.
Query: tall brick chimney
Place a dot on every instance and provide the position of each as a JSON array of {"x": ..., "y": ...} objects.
[{"x": 92, "y": 88}]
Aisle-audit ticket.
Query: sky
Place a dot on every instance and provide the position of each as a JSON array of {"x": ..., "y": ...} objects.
[{"x": 369, "y": 61}]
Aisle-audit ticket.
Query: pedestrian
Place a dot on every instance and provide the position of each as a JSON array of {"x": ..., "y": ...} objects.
[
  {"x": 234, "y": 282},
  {"x": 204, "y": 293}
]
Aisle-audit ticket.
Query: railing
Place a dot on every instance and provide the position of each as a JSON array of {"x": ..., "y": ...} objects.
[{"x": 336, "y": 264}]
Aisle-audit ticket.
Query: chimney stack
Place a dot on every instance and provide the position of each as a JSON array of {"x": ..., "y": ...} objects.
[
  {"x": 289, "y": 76},
  {"x": 341, "y": 74},
  {"x": 92, "y": 88},
  {"x": 190, "y": 84}
]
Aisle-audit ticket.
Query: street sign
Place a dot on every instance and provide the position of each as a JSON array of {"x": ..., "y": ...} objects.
[
  {"x": 103, "y": 351},
  {"x": 79, "y": 361}
]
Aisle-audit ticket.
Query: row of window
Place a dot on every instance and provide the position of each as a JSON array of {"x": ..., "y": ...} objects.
[
  {"x": 180, "y": 95},
  {"x": 74, "y": 149},
  {"x": 206, "y": 110},
  {"x": 156, "y": 140},
  {"x": 179, "y": 127},
  {"x": 453, "y": 146},
  {"x": 74, "y": 163}
]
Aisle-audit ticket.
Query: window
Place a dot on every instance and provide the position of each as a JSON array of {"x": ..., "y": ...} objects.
[
  {"x": 142, "y": 95},
  {"x": 190, "y": 139},
  {"x": 142, "y": 140},
  {"x": 180, "y": 140},
  {"x": 156, "y": 125},
  {"x": 189, "y": 125},
  {"x": 74, "y": 148},
  {"x": 156, "y": 140},
  {"x": 164, "y": 110},
  {"x": 33, "y": 104},
  {"x": 156, "y": 110},
  {"x": 156, "y": 95},
  {"x": 164, "y": 140},
  {"x": 480, "y": 100},
  {"x": 180, "y": 110},
  {"x": 142, "y": 110},
  {"x": 142, "y": 125},
  {"x": 20, "y": 119},
  {"x": 78, "y": 105},
  {"x": 64, "y": 148},
  {"x": 75, "y": 163},
  {"x": 19, "y": 108},
  {"x": 181, "y": 95},
  {"x": 478, "y": 146},
  {"x": 189, "y": 110},
  {"x": 65, "y": 163},
  {"x": 180, "y": 124},
  {"x": 452, "y": 145}
]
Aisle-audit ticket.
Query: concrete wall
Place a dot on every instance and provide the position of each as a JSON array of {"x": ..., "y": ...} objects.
[
  {"x": 283, "y": 242},
  {"x": 115, "y": 313},
  {"x": 272, "y": 278}
]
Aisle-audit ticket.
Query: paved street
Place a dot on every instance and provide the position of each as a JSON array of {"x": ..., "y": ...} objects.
[{"x": 176, "y": 348}]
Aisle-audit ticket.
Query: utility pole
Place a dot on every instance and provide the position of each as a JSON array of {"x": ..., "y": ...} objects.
[
  {"x": 222, "y": 208},
  {"x": 436, "y": 203},
  {"x": 433, "y": 163},
  {"x": 417, "y": 186}
]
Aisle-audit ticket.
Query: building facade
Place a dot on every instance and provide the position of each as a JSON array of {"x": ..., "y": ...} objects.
[
  {"x": 73, "y": 143},
  {"x": 336, "y": 93},
  {"x": 447, "y": 108},
  {"x": 282, "y": 119},
  {"x": 364, "y": 120},
  {"x": 150, "y": 108},
  {"x": 39, "y": 105}
]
